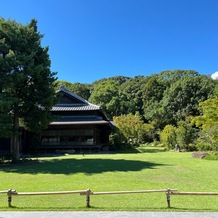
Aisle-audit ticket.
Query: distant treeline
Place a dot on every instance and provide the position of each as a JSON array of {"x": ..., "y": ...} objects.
[{"x": 160, "y": 100}]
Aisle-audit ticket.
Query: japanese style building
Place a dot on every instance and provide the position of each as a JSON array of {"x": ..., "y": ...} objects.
[{"x": 78, "y": 126}]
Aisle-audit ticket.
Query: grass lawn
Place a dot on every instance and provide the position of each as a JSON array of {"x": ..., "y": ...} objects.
[{"x": 147, "y": 169}]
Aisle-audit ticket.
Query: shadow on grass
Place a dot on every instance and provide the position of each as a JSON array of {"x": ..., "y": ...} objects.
[{"x": 85, "y": 165}]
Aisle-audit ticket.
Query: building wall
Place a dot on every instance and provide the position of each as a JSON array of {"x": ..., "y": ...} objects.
[{"x": 74, "y": 137}]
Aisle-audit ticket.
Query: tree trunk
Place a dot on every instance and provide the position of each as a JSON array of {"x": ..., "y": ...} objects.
[{"x": 15, "y": 140}]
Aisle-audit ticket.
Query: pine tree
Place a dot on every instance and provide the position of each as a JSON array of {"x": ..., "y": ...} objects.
[{"x": 25, "y": 79}]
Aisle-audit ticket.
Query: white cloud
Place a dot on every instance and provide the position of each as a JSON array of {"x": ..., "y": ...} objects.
[{"x": 215, "y": 75}]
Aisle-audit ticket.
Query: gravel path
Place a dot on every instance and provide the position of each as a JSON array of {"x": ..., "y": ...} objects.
[{"x": 69, "y": 214}]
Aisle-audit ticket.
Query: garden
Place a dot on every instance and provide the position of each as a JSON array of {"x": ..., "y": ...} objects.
[{"x": 143, "y": 168}]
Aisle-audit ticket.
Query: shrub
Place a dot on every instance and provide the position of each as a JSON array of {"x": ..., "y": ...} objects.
[
  {"x": 208, "y": 140},
  {"x": 168, "y": 136},
  {"x": 211, "y": 156},
  {"x": 186, "y": 135}
]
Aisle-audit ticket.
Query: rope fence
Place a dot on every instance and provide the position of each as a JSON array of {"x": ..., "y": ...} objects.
[{"x": 88, "y": 193}]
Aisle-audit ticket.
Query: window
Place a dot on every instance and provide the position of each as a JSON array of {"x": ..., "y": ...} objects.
[{"x": 68, "y": 137}]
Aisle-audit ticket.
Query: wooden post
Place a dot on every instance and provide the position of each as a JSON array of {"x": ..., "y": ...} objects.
[
  {"x": 10, "y": 192},
  {"x": 88, "y": 192},
  {"x": 168, "y": 197},
  {"x": 9, "y": 197}
]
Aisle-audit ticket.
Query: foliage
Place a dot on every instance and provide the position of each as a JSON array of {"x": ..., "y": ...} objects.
[
  {"x": 149, "y": 131},
  {"x": 103, "y": 92},
  {"x": 117, "y": 138},
  {"x": 208, "y": 139},
  {"x": 152, "y": 94},
  {"x": 216, "y": 90},
  {"x": 131, "y": 127},
  {"x": 182, "y": 98},
  {"x": 83, "y": 90},
  {"x": 209, "y": 117},
  {"x": 5, "y": 117},
  {"x": 167, "y": 98},
  {"x": 211, "y": 156},
  {"x": 208, "y": 122},
  {"x": 169, "y": 77},
  {"x": 168, "y": 136},
  {"x": 133, "y": 88},
  {"x": 26, "y": 78},
  {"x": 117, "y": 79},
  {"x": 106, "y": 93},
  {"x": 185, "y": 135}
]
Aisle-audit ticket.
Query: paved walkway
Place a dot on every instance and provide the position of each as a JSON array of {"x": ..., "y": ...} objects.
[{"x": 102, "y": 214}]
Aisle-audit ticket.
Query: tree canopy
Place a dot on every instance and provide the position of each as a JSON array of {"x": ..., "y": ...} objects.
[
  {"x": 25, "y": 79},
  {"x": 80, "y": 89},
  {"x": 166, "y": 100}
]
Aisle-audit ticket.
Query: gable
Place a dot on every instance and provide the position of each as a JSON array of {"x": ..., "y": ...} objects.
[
  {"x": 64, "y": 98},
  {"x": 69, "y": 101}
]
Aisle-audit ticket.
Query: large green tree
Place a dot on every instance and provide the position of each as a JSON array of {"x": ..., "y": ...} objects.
[
  {"x": 25, "y": 79},
  {"x": 114, "y": 101},
  {"x": 181, "y": 99},
  {"x": 208, "y": 122},
  {"x": 133, "y": 88},
  {"x": 5, "y": 117},
  {"x": 131, "y": 128},
  {"x": 152, "y": 95}
]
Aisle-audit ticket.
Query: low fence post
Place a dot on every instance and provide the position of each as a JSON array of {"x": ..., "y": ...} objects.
[
  {"x": 9, "y": 197},
  {"x": 10, "y": 193},
  {"x": 168, "y": 197},
  {"x": 88, "y": 192}
]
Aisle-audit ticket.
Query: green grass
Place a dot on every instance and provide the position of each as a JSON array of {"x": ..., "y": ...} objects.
[{"x": 143, "y": 169}]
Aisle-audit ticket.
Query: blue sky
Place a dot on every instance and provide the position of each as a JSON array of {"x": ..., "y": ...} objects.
[{"x": 93, "y": 39}]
